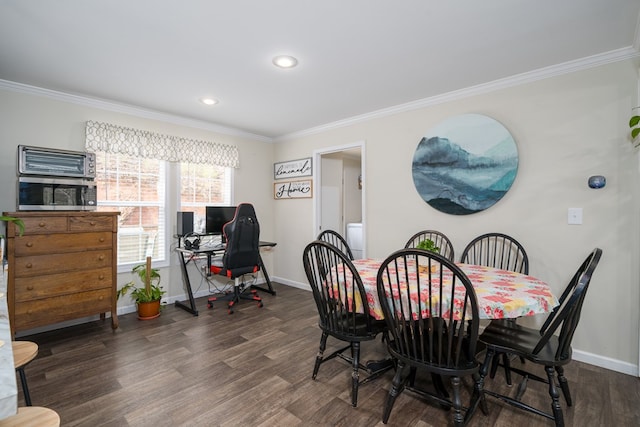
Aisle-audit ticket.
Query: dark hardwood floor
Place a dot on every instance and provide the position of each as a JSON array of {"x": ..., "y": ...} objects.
[{"x": 253, "y": 368}]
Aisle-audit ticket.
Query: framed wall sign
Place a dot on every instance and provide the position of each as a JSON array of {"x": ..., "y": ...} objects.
[
  {"x": 292, "y": 169},
  {"x": 292, "y": 189}
]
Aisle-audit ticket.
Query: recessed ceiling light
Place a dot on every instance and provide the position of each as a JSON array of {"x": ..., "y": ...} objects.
[
  {"x": 285, "y": 61},
  {"x": 209, "y": 101}
]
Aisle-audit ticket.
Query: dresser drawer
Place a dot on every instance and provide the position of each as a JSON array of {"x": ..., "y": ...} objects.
[
  {"x": 39, "y": 225},
  {"x": 45, "y": 311},
  {"x": 59, "y": 243},
  {"x": 40, "y": 286},
  {"x": 36, "y": 265},
  {"x": 91, "y": 223}
]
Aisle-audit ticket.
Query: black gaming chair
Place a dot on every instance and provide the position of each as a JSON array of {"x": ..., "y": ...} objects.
[{"x": 241, "y": 255}]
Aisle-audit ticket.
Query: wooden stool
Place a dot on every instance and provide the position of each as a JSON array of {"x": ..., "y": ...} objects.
[
  {"x": 23, "y": 353},
  {"x": 32, "y": 416}
]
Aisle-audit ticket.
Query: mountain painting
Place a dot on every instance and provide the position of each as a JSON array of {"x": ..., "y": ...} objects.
[{"x": 465, "y": 164}]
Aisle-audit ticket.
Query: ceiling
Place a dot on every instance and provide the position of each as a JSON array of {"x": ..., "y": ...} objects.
[{"x": 356, "y": 57}]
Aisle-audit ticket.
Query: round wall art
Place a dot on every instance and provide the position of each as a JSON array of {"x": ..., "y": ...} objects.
[{"x": 465, "y": 164}]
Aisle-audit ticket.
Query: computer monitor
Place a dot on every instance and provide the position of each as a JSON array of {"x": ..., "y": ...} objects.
[{"x": 217, "y": 217}]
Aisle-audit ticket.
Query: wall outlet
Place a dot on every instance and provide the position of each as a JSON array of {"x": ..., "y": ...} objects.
[{"x": 574, "y": 216}]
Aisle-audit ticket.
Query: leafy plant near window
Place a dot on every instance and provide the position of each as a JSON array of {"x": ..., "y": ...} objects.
[{"x": 151, "y": 291}]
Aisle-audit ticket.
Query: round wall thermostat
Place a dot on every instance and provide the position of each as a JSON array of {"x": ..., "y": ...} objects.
[{"x": 597, "y": 181}]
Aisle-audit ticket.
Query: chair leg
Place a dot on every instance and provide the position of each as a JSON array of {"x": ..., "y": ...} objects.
[
  {"x": 355, "y": 375},
  {"x": 564, "y": 385},
  {"x": 397, "y": 385},
  {"x": 323, "y": 346},
  {"x": 458, "y": 418},
  {"x": 484, "y": 369},
  {"x": 25, "y": 388},
  {"x": 555, "y": 401}
]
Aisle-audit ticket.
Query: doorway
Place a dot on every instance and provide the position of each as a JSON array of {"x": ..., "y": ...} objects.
[{"x": 339, "y": 201}]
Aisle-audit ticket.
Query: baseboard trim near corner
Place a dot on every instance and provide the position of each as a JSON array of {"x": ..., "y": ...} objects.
[
  {"x": 293, "y": 284},
  {"x": 605, "y": 362}
]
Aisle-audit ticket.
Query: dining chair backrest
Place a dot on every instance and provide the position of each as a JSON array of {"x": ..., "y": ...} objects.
[
  {"x": 566, "y": 315},
  {"x": 338, "y": 292},
  {"x": 336, "y": 239},
  {"x": 438, "y": 238},
  {"x": 496, "y": 250},
  {"x": 439, "y": 330}
]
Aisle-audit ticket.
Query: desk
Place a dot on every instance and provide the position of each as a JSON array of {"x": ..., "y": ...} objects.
[
  {"x": 210, "y": 251},
  {"x": 501, "y": 294},
  {"x": 8, "y": 388}
]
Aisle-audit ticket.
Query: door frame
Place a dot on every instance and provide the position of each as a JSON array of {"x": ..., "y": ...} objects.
[{"x": 317, "y": 179}]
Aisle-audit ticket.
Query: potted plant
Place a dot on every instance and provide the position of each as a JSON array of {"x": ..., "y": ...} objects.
[
  {"x": 18, "y": 222},
  {"x": 634, "y": 125},
  {"x": 147, "y": 297},
  {"x": 428, "y": 245}
]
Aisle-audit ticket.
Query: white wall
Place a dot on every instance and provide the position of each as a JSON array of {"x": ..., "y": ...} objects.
[{"x": 567, "y": 128}]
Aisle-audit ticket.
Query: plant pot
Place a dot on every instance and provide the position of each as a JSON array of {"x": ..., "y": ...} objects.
[{"x": 148, "y": 310}]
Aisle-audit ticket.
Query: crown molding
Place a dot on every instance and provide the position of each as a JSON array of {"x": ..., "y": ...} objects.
[
  {"x": 103, "y": 104},
  {"x": 516, "y": 80}
]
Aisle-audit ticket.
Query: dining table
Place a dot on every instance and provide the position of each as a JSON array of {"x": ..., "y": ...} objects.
[{"x": 501, "y": 294}]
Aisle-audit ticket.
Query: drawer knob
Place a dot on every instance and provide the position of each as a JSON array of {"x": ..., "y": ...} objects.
[
  {"x": 101, "y": 240},
  {"x": 42, "y": 224},
  {"x": 92, "y": 223},
  {"x": 30, "y": 287},
  {"x": 29, "y": 265},
  {"x": 29, "y": 244},
  {"x": 100, "y": 257},
  {"x": 100, "y": 298},
  {"x": 101, "y": 277}
]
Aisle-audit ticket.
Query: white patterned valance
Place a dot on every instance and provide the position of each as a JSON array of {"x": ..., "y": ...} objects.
[{"x": 110, "y": 138}]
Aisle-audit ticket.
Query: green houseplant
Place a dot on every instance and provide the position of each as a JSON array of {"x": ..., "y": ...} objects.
[
  {"x": 634, "y": 125},
  {"x": 17, "y": 221},
  {"x": 148, "y": 296},
  {"x": 428, "y": 245}
]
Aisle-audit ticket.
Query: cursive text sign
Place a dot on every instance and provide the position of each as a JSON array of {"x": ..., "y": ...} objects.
[
  {"x": 292, "y": 169},
  {"x": 292, "y": 189}
]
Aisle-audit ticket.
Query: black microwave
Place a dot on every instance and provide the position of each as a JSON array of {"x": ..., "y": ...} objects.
[{"x": 52, "y": 194}]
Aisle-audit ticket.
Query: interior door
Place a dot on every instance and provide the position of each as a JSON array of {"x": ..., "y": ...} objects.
[{"x": 335, "y": 203}]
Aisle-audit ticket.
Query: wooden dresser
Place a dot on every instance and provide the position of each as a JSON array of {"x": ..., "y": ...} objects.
[{"x": 63, "y": 267}]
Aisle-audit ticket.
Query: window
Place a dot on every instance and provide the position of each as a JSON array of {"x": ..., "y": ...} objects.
[
  {"x": 132, "y": 170},
  {"x": 203, "y": 185},
  {"x": 136, "y": 188}
]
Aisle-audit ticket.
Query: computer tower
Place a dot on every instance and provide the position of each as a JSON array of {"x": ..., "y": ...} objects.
[{"x": 184, "y": 223}]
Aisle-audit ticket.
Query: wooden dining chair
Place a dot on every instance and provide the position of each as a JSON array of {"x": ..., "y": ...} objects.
[
  {"x": 496, "y": 250},
  {"x": 432, "y": 328},
  {"x": 23, "y": 353},
  {"x": 438, "y": 238},
  {"x": 341, "y": 302},
  {"x": 550, "y": 346},
  {"x": 336, "y": 239},
  {"x": 501, "y": 251}
]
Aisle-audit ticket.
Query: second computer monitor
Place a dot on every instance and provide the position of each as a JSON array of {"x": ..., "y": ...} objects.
[{"x": 217, "y": 217}]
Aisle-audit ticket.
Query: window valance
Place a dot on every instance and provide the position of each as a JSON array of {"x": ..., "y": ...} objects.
[{"x": 134, "y": 142}]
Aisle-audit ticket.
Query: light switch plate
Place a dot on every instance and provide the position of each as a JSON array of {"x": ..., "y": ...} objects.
[{"x": 574, "y": 216}]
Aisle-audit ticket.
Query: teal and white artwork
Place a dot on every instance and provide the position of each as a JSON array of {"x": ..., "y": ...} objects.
[{"x": 465, "y": 164}]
